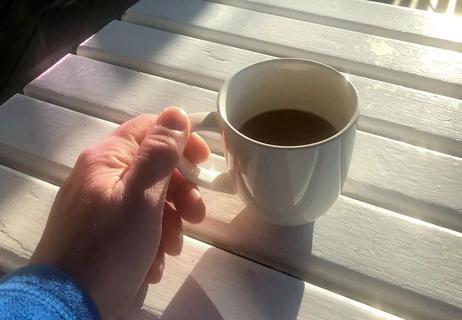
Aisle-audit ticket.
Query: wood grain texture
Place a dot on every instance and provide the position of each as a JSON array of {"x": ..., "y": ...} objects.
[
  {"x": 24, "y": 206},
  {"x": 421, "y": 118},
  {"x": 114, "y": 93},
  {"x": 384, "y": 172},
  {"x": 381, "y": 58},
  {"x": 418, "y": 26},
  {"x": 417, "y": 117},
  {"x": 46, "y": 139},
  {"x": 166, "y": 54},
  {"x": 202, "y": 283},
  {"x": 375, "y": 266},
  {"x": 407, "y": 179}
]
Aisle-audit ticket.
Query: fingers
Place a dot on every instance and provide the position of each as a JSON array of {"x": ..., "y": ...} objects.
[
  {"x": 186, "y": 198},
  {"x": 170, "y": 243},
  {"x": 172, "y": 231},
  {"x": 159, "y": 152},
  {"x": 196, "y": 150},
  {"x": 189, "y": 203},
  {"x": 157, "y": 268}
]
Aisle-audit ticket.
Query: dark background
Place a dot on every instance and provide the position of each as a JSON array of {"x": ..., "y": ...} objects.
[{"x": 34, "y": 34}]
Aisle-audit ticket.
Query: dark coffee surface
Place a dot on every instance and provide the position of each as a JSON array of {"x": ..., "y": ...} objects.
[{"x": 287, "y": 127}]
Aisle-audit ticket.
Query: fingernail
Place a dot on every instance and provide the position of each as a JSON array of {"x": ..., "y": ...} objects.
[
  {"x": 195, "y": 194},
  {"x": 173, "y": 118}
]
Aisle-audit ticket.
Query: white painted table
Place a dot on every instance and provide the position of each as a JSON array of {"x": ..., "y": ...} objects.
[{"x": 391, "y": 246}]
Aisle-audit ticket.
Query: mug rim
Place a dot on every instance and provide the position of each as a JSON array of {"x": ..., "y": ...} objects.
[{"x": 224, "y": 90}]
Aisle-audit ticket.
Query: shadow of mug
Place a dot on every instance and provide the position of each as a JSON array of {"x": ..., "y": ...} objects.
[
  {"x": 284, "y": 248},
  {"x": 225, "y": 286},
  {"x": 269, "y": 243}
]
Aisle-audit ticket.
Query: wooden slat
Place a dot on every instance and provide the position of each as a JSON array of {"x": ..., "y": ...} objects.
[
  {"x": 21, "y": 227},
  {"x": 367, "y": 17},
  {"x": 385, "y": 59},
  {"x": 38, "y": 136},
  {"x": 383, "y": 172},
  {"x": 375, "y": 266},
  {"x": 126, "y": 93},
  {"x": 407, "y": 179},
  {"x": 196, "y": 284},
  {"x": 114, "y": 93},
  {"x": 387, "y": 109},
  {"x": 168, "y": 55},
  {"x": 417, "y": 117}
]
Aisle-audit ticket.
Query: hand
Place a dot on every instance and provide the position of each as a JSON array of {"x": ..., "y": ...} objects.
[{"x": 121, "y": 209}]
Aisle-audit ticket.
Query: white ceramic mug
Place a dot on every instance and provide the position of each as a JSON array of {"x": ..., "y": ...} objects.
[{"x": 287, "y": 185}]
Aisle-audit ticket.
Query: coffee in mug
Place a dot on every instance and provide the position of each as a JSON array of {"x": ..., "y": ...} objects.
[{"x": 287, "y": 127}]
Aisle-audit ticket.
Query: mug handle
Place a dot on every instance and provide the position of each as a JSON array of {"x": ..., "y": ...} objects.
[{"x": 210, "y": 179}]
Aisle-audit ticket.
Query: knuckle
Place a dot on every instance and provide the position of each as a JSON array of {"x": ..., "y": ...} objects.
[
  {"x": 163, "y": 146},
  {"x": 86, "y": 156}
]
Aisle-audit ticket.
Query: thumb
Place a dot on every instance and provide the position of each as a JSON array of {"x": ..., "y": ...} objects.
[{"x": 159, "y": 152}]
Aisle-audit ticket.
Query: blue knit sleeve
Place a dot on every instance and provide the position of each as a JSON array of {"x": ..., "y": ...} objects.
[{"x": 42, "y": 292}]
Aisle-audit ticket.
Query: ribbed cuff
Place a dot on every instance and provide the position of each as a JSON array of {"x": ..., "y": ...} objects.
[{"x": 43, "y": 292}]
